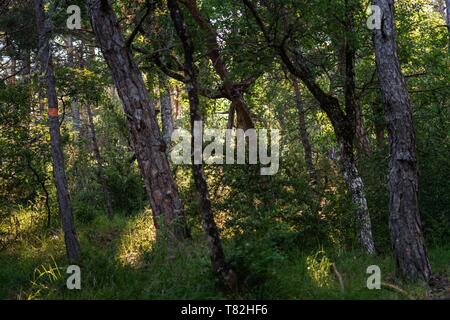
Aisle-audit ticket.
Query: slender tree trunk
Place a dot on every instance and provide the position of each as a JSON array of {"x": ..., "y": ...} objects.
[
  {"x": 13, "y": 79},
  {"x": 352, "y": 105},
  {"x": 99, "y": 160},
  {"x": 404, "y": 222},
  {"x": 362, "y": 139},
  {"x": 304, "y": 132},
  {"x": 13, "y": 61},
  {"x": 244, "y": 116},
  {"x": 220, "y": 267},
  {"x": 379, "y": 123},
  {"x": 166, "y": 110},
  {"x": 148, "y": 144},
  {"x": 74, "y": 103},
  {"x": 45, "y": 29}
]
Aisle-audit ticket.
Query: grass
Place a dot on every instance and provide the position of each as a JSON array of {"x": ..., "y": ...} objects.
[{"x": 122, "y": 260}]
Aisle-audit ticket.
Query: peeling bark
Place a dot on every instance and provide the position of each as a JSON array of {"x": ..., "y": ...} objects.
[{"x": 355, "y": 187}]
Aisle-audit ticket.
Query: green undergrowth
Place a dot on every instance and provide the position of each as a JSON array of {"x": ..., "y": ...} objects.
[{"x": 122, "y": 260}]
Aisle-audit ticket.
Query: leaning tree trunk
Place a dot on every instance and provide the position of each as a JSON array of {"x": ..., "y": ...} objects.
[
  {"x": 404, "y": 221},
  {"x": 45, "y": 29},
  {"x": 234, "y": 94},
  {"x": 220, "y": 267},
  {"x": 148, "y": 144},
  {"x": 99, "y": 160}
]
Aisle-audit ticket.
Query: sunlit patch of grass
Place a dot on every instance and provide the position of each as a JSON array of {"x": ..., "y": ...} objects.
[
  {"x": 20, "y": 224},
  {"x": 137, "y": 239},
  {"x": 319, "y": 267}
]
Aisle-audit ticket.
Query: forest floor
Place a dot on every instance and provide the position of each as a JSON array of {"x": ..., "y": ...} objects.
[{"x": 121, "y": 260}]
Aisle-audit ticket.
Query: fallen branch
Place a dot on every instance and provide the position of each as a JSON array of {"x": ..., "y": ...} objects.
[
  {"x": 339, "y": 277},
  {"x": 396, "y": 289}
]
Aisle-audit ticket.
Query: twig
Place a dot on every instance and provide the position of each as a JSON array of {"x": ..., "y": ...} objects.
[{"x": 339, "y": 277}]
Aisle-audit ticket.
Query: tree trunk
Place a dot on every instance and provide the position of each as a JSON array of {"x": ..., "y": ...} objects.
[
  {"x": 352, "y": 105},
  {"x": 45, "y": 29},
  {"x": 146, "y": 137},
  {"x": 166, "y": 110},
  {"x": 404, "y": 221},
  {"x": 303, "y": 132},
  {"x": 379, "y": 123},
  {"x": 244, "y": 116},
  {"x": 362, "y": 139},
  {"x": 220, "y": 267},
  {"x": 99, "y": 160},
  {"x": 11, "y": 80},
  {"x": 74, "y": 103},
  {"x": 355, "y": 187}
]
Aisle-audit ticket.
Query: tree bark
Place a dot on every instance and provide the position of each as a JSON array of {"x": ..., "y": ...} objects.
[
  {"x": 220, "y": 267},
  {"x": 404, "y": 221},
  {"x": 44, "y": 26},
  {"x": 304, "y": 132},
  {"x": 244, "y": 116},
  {"x": 139, "y": 109},
  {"x": 99, "y": 160},
  {"x": 355, "y": 187}
]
